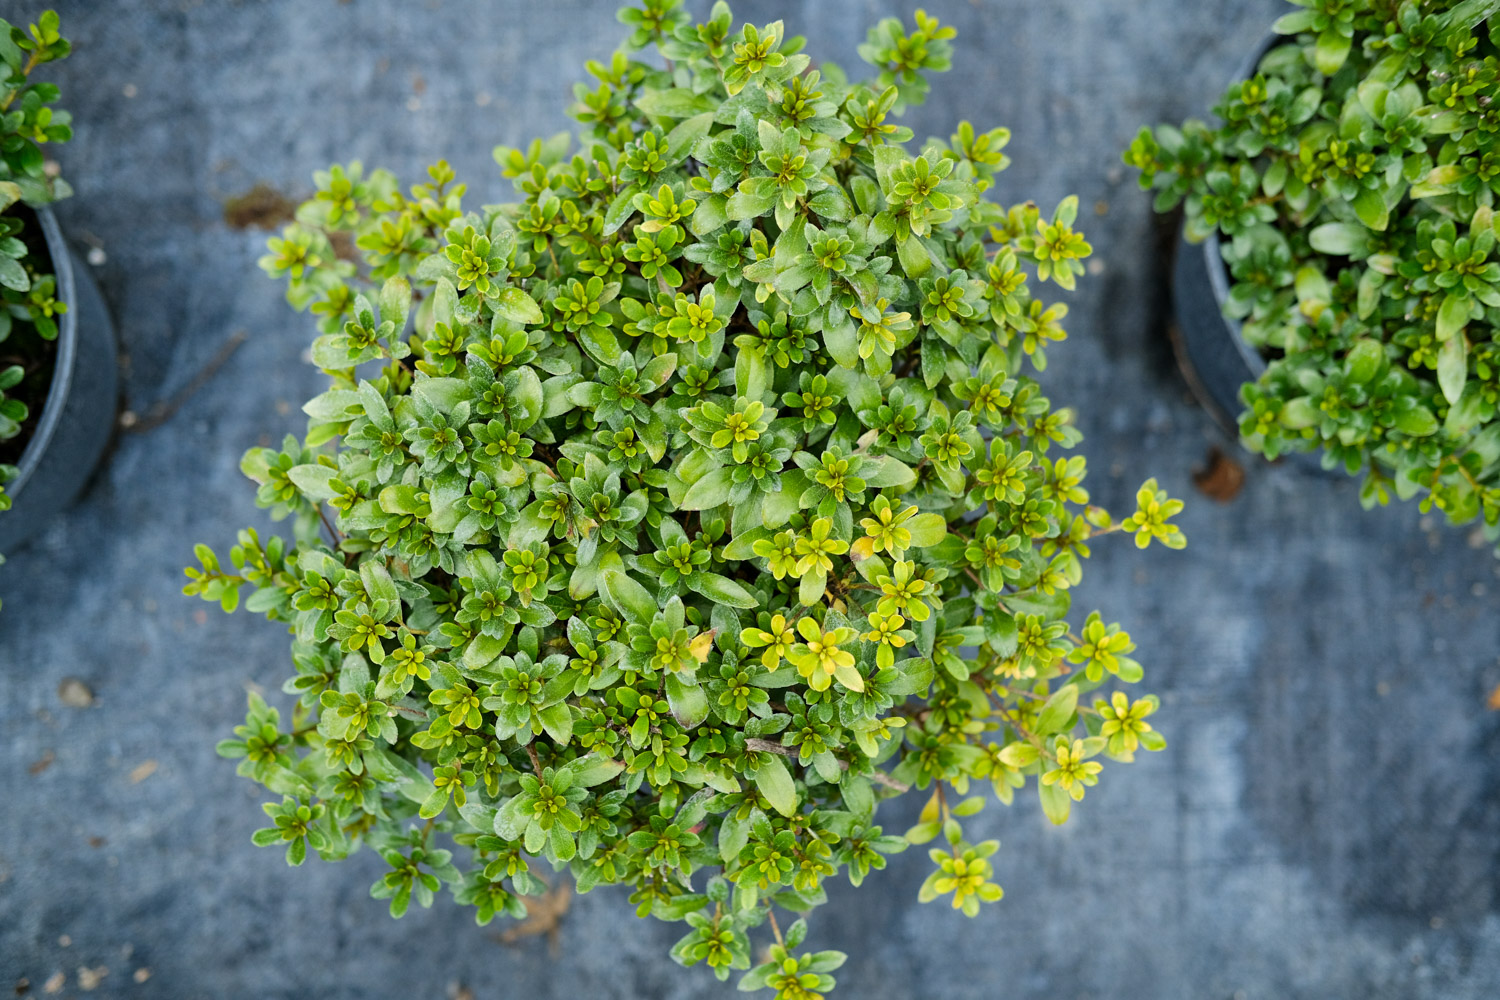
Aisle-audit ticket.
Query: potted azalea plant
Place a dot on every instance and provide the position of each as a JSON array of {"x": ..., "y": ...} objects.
[
  {"x": 57, "y": 355},
  {"x": 1344, "y": 294},
  {"x": 657, "y": 527}
]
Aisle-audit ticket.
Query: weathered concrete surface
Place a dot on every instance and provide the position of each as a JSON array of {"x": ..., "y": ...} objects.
[{"x": 1324, "y": 824}]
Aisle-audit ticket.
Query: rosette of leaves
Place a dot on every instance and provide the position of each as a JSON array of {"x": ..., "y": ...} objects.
[
  {"x": 658, "y": 526},
  {"x": 1352, "y": 180},
  {"x": 28, "y": 291}
]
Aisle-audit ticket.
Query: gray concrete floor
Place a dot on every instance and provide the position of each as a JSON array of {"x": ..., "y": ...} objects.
[{"x": 1326, "y": 822}]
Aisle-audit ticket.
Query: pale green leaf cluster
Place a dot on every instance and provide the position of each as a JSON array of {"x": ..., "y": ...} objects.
[
  {"x": 1353, "y": 181},
  {"x": 660, "y": 524}
]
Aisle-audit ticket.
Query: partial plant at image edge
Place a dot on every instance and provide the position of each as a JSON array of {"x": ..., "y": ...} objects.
[
  {"x": 28, "y": 293},
  {"x": 657, "y": 527},
  {"x": 1353, "y": 181}
]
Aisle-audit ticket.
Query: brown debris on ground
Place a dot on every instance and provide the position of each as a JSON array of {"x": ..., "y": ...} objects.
[
  {"x": 1221, "y": 478},
  {"x": 262, "y": 206}
]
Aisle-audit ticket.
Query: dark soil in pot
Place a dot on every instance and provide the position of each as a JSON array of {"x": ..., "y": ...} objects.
[
  {"x": 27, "y": 348},
  {"x": 68, "y": 429}
]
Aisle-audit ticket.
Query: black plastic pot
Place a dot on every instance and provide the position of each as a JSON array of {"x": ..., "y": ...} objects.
[
  {"x": 1213, "y": 355},
  {"x": 78, "y": 418},
  {"x": 1211, "y": 351}
]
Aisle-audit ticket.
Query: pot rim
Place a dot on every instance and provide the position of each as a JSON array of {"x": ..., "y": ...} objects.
[{"x": 67, "y": 350}]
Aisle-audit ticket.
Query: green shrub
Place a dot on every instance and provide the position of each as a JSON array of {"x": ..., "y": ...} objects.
[
  {"x": 687, "y": 509},
  {"x": 1353, "y": 179},
  {"x": 28, "y": 293}
]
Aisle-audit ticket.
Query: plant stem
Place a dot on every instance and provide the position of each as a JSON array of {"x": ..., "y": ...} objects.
[
  {"x": 31, "y": 64},
  {"x": 775, "y": 929}
]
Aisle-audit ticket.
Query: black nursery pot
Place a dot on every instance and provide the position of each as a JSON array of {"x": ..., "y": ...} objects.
[
  {"x": 1213, "y": 354},
  {"x": 1210, "y": 347},
  {"x": 1211, "y": 350},
  {"x": 79, "y": 414}
]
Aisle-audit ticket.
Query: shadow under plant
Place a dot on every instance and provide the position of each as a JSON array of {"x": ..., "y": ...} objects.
[{"x": 1323, "y": 823}]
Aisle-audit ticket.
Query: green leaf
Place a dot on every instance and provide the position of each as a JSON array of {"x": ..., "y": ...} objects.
[
  {"x": 600, "y": 343},
  {"x": 13, "y": 275},
  {"x": 395, "y": 302},
  {"x": 1058, "y": 709},
  {"x": 626, "y": 596},
  {"x": 859, "y": 797},
  {"x": 915, "y": 260},
  {"x": 312, "y": 481},
  {"x": 622, "y": 208},
  {"x": 1052, "y": 607},
  {"x": 1055, "y": 802},
  {"x": 1468, "y": 412},
  {"x": 1372, "y": 210},
  {"x": 1453, "y": 367},
  {"x": 842, "y": 342},
  {"x": 1296, "y": 21},
  {"x": 1363, "y": 361},
  {"x": 481, "y": 651},
  {"x": 722, "y": 590},
  {"x": 375, "y": 407},
  {"x": 1020, "y": 754},
  {"x": 927, "y": 529},
  {"x": 1330, "y": 51},
  {"x": 594, "y": 769},
  {"x": 564, "y": 848},
  {"x": 686, "y": 134},
  {"x": 444, "y": 301},
  {"x": 751, "y": 378},
  {"x": 516, "y": 306},
  {"x": 1339, "y": 238},
  {"x": 676, "y": 103},
  {"x": 881, "y": 471},
  {"x": 434, "y": 804},
  {"x": 1452, "y": 316},
  {"x": 528, "y": 397},
  {"x": 688, "y": 701},
  {"x": 811, "y": 587},
  {"x": 1470, "y": 13},
  {"x": 774, "y": 782},
  {"x": 1418, "y": 422},
  {"x": 744, "y": 205},
  {"x": 377, "y": 581},
  {"x": 557, "y": 720},
  {"x": 710, "y": 490}
]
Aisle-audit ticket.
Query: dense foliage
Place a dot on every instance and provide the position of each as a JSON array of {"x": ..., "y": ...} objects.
[
  {"x": 658, "y": 526},
  {"x": 28, "y": 300},
  {"x": 1353, "y": 179}
]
